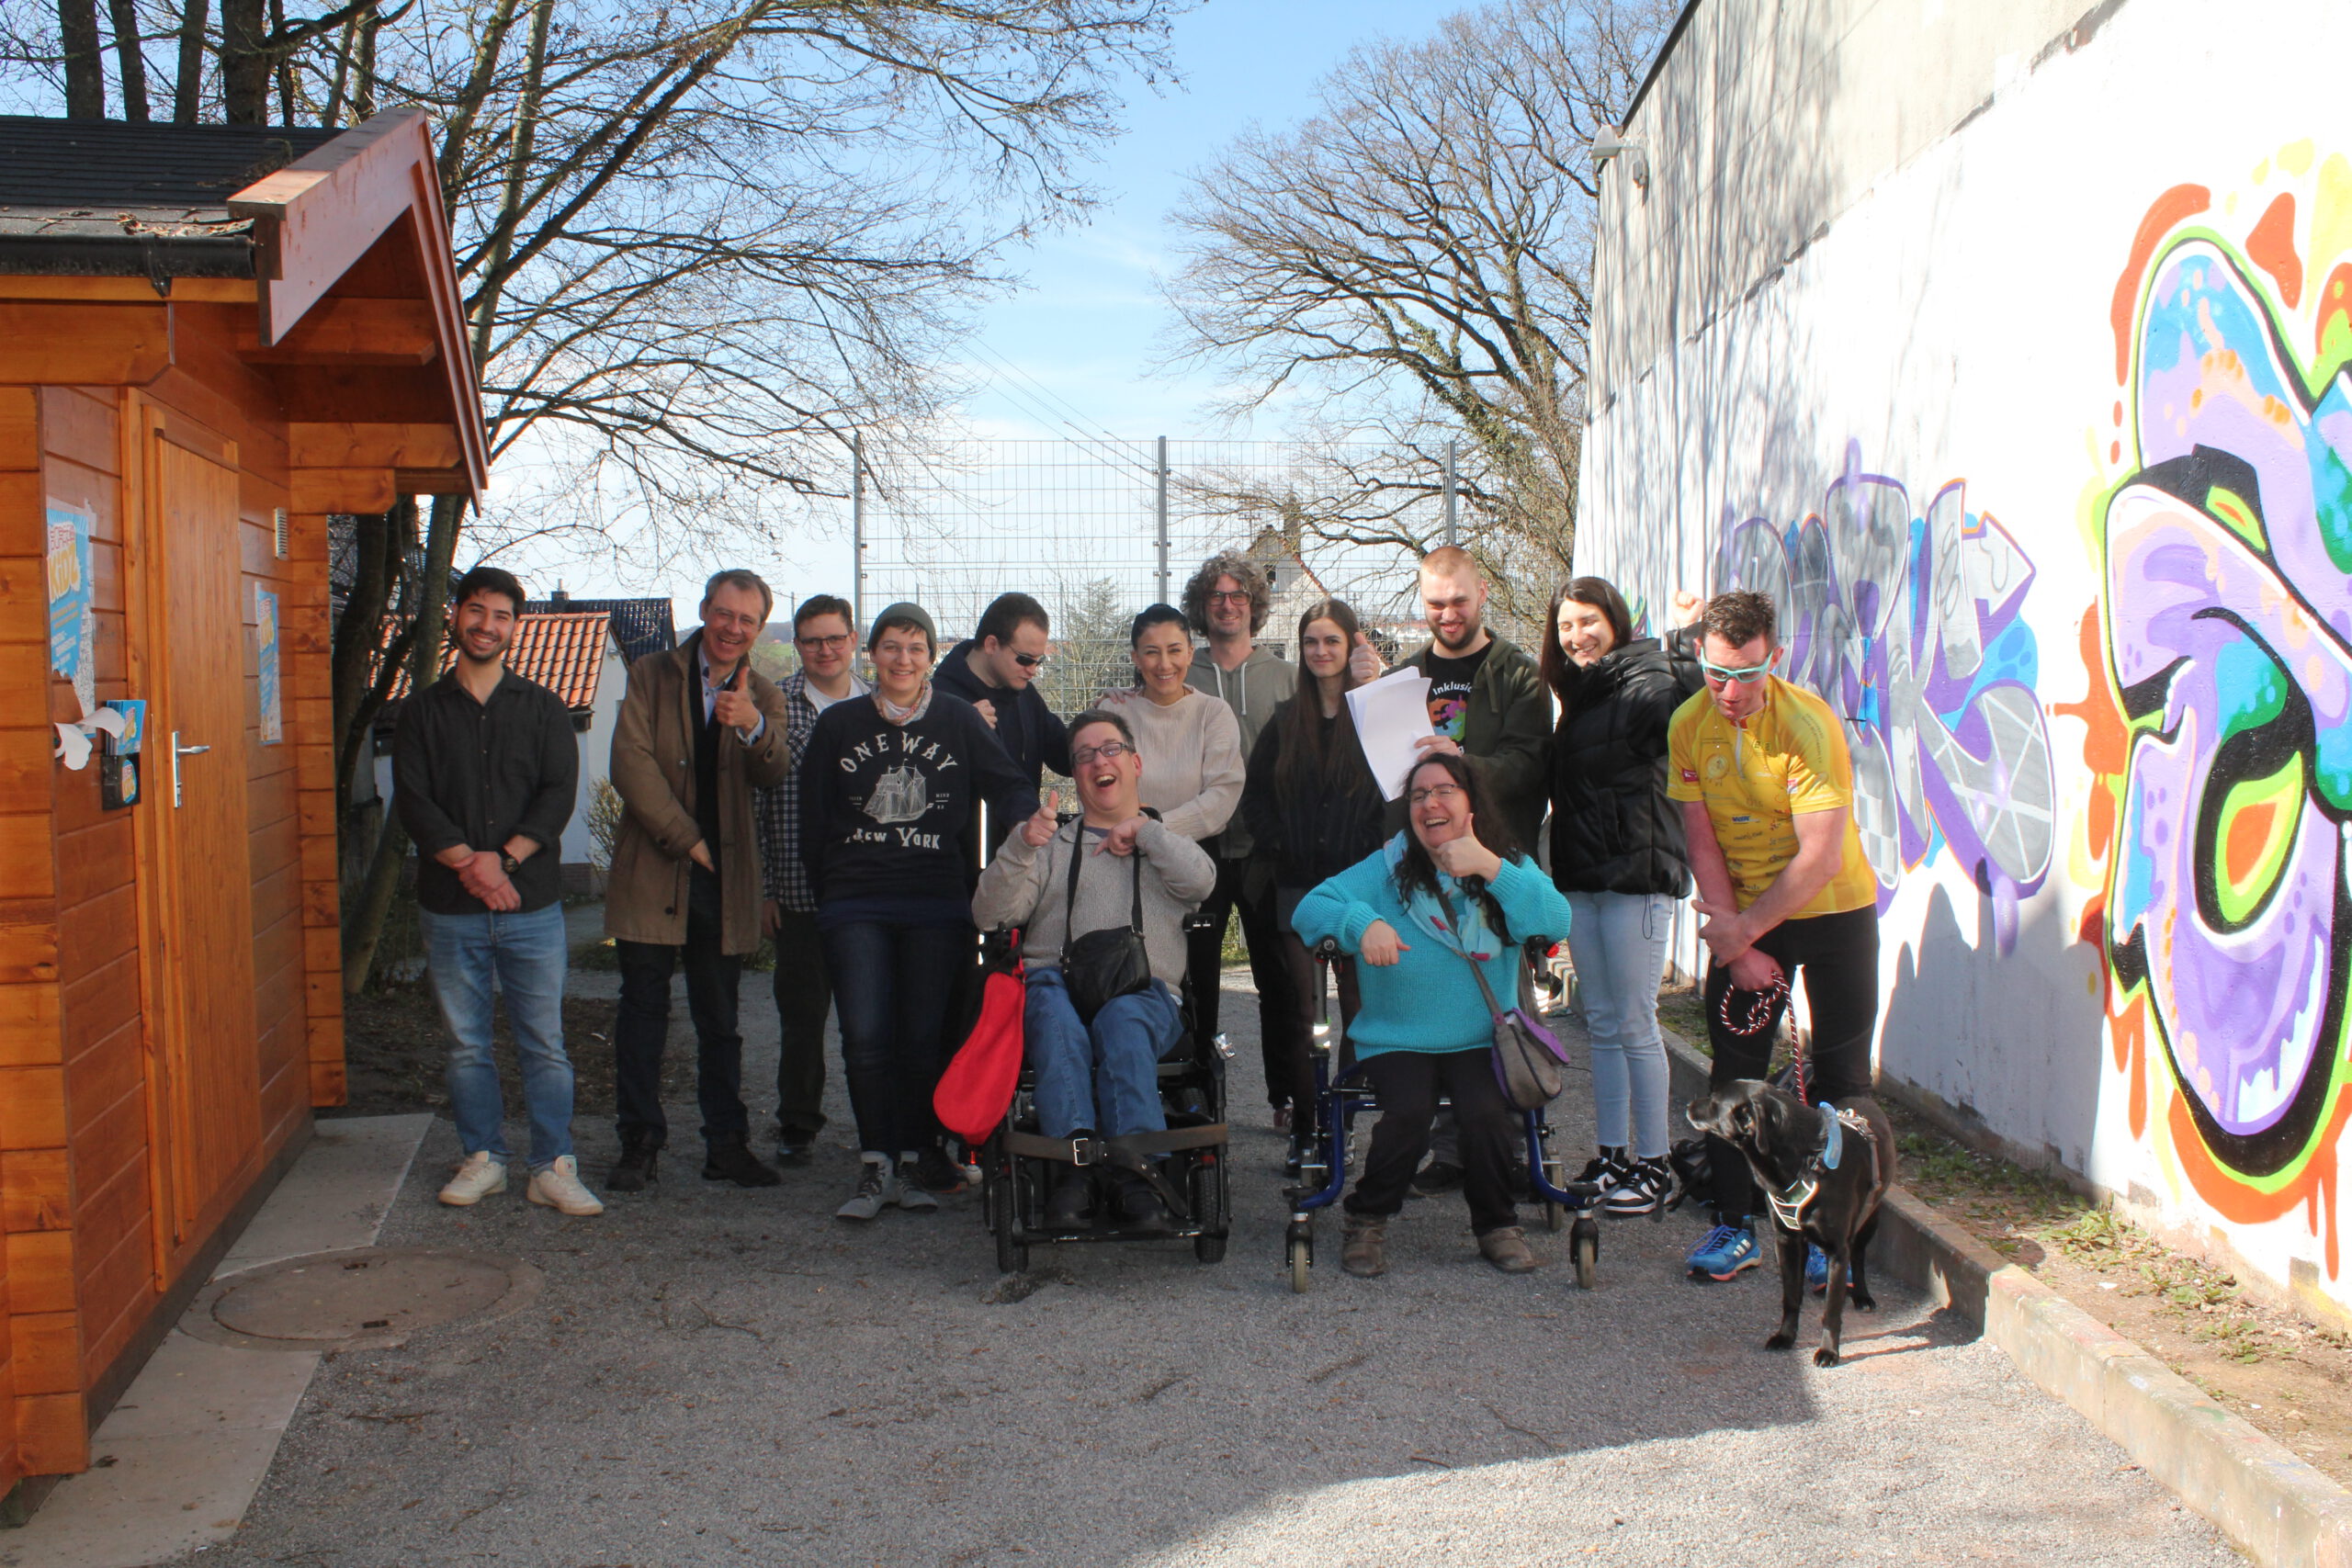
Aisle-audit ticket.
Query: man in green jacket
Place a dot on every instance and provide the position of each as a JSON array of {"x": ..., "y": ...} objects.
[{"x": 1486, "y": 703}]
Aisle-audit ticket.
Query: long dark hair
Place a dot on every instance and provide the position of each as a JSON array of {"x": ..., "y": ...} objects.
[
  {"x": 1560, "y": 672},
  {"x": 1416, "y": 872},
  {"x": 1305, "y": 764}
]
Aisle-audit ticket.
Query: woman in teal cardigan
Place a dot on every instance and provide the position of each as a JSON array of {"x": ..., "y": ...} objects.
[{"x": 1449, "y": 890}]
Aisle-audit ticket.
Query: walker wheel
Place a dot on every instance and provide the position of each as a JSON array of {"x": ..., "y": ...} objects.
[
  {"x": 1301, "y": 1249},
  {"x": 1584, "y": 1248}
]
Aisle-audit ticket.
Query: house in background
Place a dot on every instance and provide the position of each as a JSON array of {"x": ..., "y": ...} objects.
[{"x": 580, "y": 650}]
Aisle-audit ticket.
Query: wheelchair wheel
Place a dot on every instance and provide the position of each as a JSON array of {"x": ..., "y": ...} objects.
[
  {"x": 1004, "y": 1217},
  {"x": 1300, "y": 1246},
  {"x": 1584, "y": 1246},
  {"x": 1208, "y": 1183}
]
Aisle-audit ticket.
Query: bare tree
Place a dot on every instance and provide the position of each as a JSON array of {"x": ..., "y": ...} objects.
[{"x": 1413, "y": 260}]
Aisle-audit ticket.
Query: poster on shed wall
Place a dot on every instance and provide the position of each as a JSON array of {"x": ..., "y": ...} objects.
[
  {"x": 273, "y": 729},
  {"x": 70, "y": 621}
]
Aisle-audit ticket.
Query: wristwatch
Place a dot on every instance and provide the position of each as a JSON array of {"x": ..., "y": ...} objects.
[{"x": 508, "y": 863}]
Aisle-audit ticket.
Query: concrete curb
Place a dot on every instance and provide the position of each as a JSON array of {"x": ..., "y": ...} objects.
[{"x": 2272, "y": 1505}]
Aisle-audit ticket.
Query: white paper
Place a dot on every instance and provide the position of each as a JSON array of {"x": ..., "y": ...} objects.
[
  {"x": 106, "y": 718},
  {"x": 74, "y": 746},
  {"x": 1390, "y": 714}
]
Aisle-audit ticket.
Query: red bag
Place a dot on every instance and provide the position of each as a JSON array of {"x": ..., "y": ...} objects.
[{"x": 977, "y": 1089}]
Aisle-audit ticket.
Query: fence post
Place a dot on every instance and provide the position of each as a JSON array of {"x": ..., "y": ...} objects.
[
  {"x": 1159, "y": 498},
  {"x": 1452, "y": 530},
  {"x": 857, "y": 534}
]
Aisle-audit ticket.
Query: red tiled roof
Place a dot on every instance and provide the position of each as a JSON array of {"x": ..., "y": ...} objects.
[{"x": 564, "y": 652}]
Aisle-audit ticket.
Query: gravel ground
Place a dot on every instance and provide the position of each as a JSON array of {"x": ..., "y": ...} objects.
[{"x": 715, "y": 1376}]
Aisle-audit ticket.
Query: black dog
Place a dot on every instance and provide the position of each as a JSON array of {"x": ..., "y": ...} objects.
[{"x": 1824, "y": 1178}]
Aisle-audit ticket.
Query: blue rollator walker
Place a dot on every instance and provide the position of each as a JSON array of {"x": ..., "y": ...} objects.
[{"x": 1340, "y": 1094}]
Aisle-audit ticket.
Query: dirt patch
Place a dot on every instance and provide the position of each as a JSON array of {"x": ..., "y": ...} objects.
[
  {"x": 2289, "y": 1377},
  {"x": 395, "y": 1051}
]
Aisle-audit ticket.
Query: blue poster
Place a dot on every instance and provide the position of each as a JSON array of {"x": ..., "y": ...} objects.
[
  {"x": 273, "y": 727},
  {"x": 70, "y": 620}
]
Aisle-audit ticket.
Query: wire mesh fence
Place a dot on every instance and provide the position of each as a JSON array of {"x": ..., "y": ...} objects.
[{"x": 1096, "y": 529}]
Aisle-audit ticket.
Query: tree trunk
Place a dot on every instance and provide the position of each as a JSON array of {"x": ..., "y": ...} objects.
[
  {"x": 85, "y": 81},
  {"x": 244, "y": 65},
  {"x": 132, "y": 63},
  {"x": 363, "y": 926},
  {"x": 187, "y": 94}
]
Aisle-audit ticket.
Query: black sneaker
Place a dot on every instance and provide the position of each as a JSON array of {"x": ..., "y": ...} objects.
[
  {"x": 734, "y": 1161},
  {"x": 1437, "y": 1175},
  {"x": 1070, "y": 1206},
  {"x": 1641, "y": 1189},
  {"x": 639, "y": 1166},
  {"x": 934, "y": 1172},
  {"x": 794, "y": 1145}
]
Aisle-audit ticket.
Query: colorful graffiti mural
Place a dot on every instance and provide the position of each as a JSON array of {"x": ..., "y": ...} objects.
[
  {"x": 2219, "y": 718},
  {"x": 1908, "y": 625}
]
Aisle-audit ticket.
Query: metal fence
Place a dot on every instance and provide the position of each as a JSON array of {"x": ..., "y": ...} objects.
[{"x": 1097, "y": 529}]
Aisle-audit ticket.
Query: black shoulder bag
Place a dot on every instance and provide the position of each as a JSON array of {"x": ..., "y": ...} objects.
[{"x": 1101, "y": 967}]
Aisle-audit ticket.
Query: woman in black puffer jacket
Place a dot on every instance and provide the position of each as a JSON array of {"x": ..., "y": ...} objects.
[
  {"x": 1618, "y": 854},
  {"x": 1313, "y": 809}
]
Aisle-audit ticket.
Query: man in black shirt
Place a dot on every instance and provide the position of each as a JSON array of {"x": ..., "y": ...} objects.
[{"x": 484, "y": 766}]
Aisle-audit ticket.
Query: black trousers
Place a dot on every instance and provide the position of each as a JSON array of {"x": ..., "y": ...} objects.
[
  {"x": 1203, "y": 962},
  {"x": 1837, "y": 955},
  {"x": 642, "y": 1029},
  {"x": 804, "y": 997},
  {"x": 1293, "y": 1080},
  {"x": 1408, "y": 1084}
]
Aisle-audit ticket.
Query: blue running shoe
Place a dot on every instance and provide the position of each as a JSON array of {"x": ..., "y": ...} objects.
[
  {"x": 1817, "y": 1269},
  {"x": 1725, "y": 1251}
]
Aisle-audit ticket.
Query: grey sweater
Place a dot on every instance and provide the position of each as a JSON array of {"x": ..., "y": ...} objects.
[
  {"x": 1253, "y": 693},
  {"x": 1029, "y": 888}
]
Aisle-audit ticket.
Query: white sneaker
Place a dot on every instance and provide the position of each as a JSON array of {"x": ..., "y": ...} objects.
[
  {"x": 559, "y": 1188},
  {"x": 877, "y": 1187},
  {"x": 476, "y": 1180}
]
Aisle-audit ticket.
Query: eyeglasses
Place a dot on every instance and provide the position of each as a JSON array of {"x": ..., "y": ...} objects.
[
  {"x": 1717, "y": 674},
  {"x": 1239, "y": 596},
  {"x": 1109, "y": 751},
  {"x": 1420, "y": 797},
  {"x": 839, "y": 640},
  {"x": 1029, "y": 661}
]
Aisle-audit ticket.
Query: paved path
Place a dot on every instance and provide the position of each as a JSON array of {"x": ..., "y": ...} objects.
[{"x": 721, "y": 1377}]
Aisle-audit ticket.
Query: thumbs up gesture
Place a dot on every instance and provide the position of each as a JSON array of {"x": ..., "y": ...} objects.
[
  {"x": 1363, "y": 660},
  {"x": 1039, "y": 830}
]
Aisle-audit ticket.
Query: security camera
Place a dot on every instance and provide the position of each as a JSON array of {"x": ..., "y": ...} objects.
[{"x": 1610, "y": 144}]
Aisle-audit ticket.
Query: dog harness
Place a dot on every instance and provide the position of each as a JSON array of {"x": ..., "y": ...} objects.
[{"x": 1789, "y": 1204}]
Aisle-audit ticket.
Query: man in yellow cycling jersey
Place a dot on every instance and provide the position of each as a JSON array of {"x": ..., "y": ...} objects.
[{"x": 1767, "y": 788}]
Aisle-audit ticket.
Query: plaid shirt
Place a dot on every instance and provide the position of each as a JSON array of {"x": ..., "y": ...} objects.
[{"x": 783, "y": 875}]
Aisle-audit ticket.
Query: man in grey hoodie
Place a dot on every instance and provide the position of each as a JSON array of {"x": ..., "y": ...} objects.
[{"x": 1228, "y": 601}]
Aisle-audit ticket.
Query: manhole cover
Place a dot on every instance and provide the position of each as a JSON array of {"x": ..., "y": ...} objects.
[{"x": 367, "y": 1296}]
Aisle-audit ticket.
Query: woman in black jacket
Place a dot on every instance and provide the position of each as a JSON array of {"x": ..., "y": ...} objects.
[
  {"x": 1618, "y": 854},
  {"x": 1313, "y": 809}
]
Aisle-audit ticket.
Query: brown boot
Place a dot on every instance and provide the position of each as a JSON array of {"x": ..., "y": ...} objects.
[
  {"x": 1363, "y": 1247},
  {"x": 1506, "y": 1247}
]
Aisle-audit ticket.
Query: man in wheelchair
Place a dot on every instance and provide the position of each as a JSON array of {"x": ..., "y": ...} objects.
[{"x": 1103, "y": 1006}]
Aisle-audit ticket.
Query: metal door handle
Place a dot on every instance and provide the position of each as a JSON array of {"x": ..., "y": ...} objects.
[{"x": 178, "y": 752}]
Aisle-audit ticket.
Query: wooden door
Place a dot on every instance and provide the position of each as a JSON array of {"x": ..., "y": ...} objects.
[{"x": 207, "y": 1076}]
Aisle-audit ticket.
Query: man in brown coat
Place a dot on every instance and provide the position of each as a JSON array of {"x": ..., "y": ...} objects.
[{"x": 698, "y": 731}]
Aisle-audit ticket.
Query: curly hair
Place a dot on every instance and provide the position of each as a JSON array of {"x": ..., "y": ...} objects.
[
  {"x": 1739, "y": 617},
  {"x": 1243, "y": 571}
]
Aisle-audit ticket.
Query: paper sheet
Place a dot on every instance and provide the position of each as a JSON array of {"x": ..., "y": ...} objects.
[{"x": 1390, "y": 714}]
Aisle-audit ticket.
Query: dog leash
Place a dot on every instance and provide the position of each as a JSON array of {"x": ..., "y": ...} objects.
[{"x": 1763, "y": 1007}]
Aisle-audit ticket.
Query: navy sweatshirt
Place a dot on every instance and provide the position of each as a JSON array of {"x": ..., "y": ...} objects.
[{"x": 885, "y": 808}]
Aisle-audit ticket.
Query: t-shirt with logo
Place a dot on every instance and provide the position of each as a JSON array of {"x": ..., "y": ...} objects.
[
  {"x": 1789, "y": 760},
  {"x": 884, "y": 808},
  {"x": 1450, "y": 684}
]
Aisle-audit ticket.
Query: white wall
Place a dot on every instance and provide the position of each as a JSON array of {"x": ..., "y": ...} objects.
[
  {"x": 1928, "y": 427},
  {"x": 596, "y": 751}
]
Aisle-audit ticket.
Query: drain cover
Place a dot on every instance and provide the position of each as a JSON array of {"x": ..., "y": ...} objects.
[{"x": 367, "y": 1296}]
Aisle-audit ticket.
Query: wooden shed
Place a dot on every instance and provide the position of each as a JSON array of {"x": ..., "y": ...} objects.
[{"x": 211, "y": 337}]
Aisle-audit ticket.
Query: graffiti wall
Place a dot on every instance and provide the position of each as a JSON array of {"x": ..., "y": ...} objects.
[{"x": 2043, "y": 447}]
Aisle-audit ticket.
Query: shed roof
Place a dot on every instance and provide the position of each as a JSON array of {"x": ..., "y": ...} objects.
[
  {"x": 562, "y": 651},
  {"x": 94, "y": 198}
]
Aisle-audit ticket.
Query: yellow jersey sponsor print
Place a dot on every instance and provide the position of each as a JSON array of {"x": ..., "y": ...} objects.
[{"x": 1789, "y": 760}]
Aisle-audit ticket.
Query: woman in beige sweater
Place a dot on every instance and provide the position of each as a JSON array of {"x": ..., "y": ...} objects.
[{"x": 1190, "y": 742}]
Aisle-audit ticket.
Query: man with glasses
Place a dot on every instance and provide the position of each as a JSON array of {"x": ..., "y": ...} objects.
[
  {"x": 1766, "y": 787},
  {"x": 1228, "y": 601},
  {"x": 804, "y": 991},
  {"x": 996, "y": 670}
]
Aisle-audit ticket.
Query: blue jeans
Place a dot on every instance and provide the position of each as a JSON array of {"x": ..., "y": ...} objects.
[
  {"x": 1106, "y": 1078},
  {"x": 1618, "y": 942},
  {"x": 892, "y": 985},
  {"x": 528, "y": 953}
]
